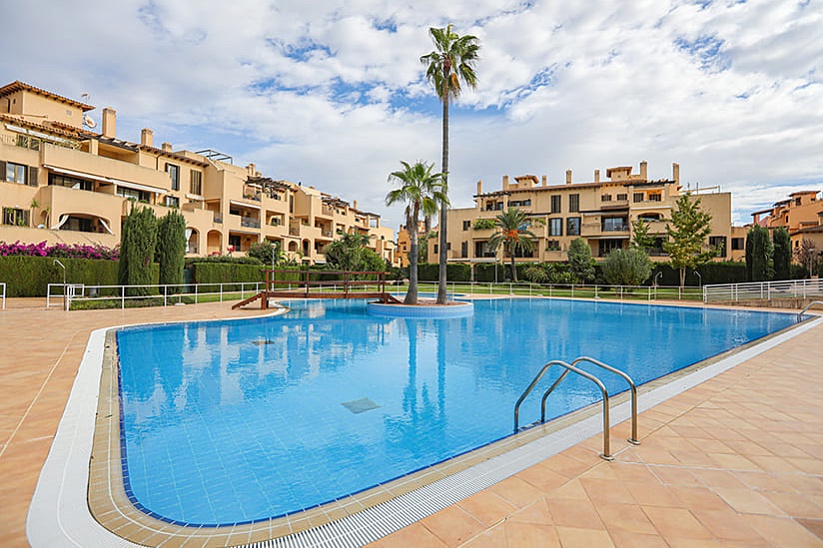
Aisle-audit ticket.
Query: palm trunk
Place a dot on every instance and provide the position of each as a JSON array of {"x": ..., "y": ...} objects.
[
  {"x": 411, "y": 294},
  {"x": 514, "y": 269},
  {"x": 442, "y": 279}
]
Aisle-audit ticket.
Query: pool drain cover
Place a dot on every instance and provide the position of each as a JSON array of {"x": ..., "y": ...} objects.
[
  {"x": 262, "y": 342},
  {"x": 359, "y": 406}
]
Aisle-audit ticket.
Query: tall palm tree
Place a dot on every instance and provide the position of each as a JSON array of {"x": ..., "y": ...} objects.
[
  {"x": 451, "y": 63},
  {"x": 422, "y": 191},
  {"x": 513, "y": 234}
]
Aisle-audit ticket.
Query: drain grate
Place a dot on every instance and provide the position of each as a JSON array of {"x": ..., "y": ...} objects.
[
  {"x": 360, "y": 406},
  {"x": 262, "y": 341}
]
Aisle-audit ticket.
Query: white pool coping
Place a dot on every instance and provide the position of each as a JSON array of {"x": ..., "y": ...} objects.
[{"x": 59, "y": 514}]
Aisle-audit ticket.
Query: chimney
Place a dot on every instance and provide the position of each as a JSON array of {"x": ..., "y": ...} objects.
[
  {"x": 545, "y": 181},
  {"x": 644, "y": 170},
  {"x": 480, "y": 187},
  {"x": 568, "y": 176},
  {"x": 505, "y": 182},
  {"x": 166, "y": 147},
  {"x": 676, "y": 173},
  {"x": 109, "y": 123},
  {"x": 596, "y": 175},
  {"x": 354, "y": 204},
  {"x": 147, "y": 137},
  {"x": 251, "y": 169}
]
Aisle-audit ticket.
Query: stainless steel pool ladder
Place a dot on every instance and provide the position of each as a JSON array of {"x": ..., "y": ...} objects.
[
  {"x": 808, "y": 306},
  {"x": 606, "y": 455}
]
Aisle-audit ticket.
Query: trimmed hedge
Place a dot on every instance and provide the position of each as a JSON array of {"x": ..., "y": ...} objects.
[
  {"x": 29, "y": 276},
  {"x": 455, "y": 272},
  {"x": 219, "y": 272},
  {"x": 712, "y": 273}
]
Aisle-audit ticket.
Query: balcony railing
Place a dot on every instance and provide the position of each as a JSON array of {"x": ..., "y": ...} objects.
[
  {"x": 36, "y": 143},
  {"x": 250, "y": 222},
  {"x": 218, "y": 219},
  {"x": 615, "y": 228}
]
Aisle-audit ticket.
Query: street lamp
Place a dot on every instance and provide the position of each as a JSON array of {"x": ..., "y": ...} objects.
[
  {"x": 699, "y": 278},
  {"x": 656, "y": 276}
]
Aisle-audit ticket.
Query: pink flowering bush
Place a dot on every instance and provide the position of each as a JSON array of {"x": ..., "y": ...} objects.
[{"x": 75, "y": 251}]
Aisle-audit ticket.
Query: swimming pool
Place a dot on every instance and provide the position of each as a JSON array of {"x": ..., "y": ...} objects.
[{"x": 232, "y": 422}]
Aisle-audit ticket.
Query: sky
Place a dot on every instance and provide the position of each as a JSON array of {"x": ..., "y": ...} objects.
[{"x": 333, "y": 94}]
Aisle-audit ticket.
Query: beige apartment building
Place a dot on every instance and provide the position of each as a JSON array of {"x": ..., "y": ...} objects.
[
  {"x": 62, "y": 181},
  {"x": 600, "y": 211},
  {"x": 801, "y": 214}
]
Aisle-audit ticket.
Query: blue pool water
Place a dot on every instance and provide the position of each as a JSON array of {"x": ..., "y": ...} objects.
[{"x": 236, "y": 421}]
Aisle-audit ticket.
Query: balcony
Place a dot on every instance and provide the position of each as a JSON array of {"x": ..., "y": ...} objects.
[
  {"x": 249, "y": 222},
  {"x": 106, "y": 169},
  {"x": 615, "y": 228}
]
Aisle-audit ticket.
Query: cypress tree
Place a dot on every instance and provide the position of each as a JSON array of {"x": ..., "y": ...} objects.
[
  {"x": 137, "y": 249},
  {"x": 758, "y": 254},
  {"x": 171, "y": 249},
  {"x": 782, "y": 256}
]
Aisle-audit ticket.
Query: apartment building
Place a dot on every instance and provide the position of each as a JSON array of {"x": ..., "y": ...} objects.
[
  {"x": 801, "y": 214},
  {"x": 62, "y": 181},
  {"x": 600, "y": 211}
]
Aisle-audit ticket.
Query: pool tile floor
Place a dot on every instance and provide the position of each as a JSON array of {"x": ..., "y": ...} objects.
[{"x": 732, "y": 462}]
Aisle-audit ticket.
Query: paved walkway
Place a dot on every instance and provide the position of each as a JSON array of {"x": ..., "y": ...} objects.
[{"x": 732, "y": 462}]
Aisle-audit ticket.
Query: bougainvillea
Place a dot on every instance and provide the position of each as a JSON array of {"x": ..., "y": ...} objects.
[{"x": 74, "y": 251}]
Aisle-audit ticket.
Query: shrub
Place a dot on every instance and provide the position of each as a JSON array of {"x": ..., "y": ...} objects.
[
  {"x": 581, "y": 263},
  {"x": 627, "y": 267},
  {"x": 75, "y": 251}
]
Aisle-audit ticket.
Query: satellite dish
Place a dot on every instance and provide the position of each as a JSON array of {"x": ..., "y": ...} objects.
[{"x": 89, "y": 121}]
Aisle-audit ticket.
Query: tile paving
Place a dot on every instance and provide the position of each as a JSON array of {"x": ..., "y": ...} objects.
[{"x": 732, "y": 462}]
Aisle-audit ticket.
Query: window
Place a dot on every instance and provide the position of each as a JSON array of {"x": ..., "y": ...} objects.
[
  {"x": 622, "y": 197},
  {"x": 196, "y": 184},
  {"x": 435, "y": 249},
  {"x": 657, "y": 197},
  {"x": 15, "y": 173},
  {"x": 718, "y": 243},
  {"x": 172, "y": 201},
  {"x": 174, "y": 173},
  {"x": 574, "y": 203},
  {"x": 481, "y": 249},
  {"x": 556, "y": 204},
  {"x": 464, "y": 249},
  {"x": 606, "y": 198},
  {"x": 70, "y": 182},
  {"x": 15, "y": 217},
  {"x": 234, "y": 241},
  {"x": 614, "y": 224},
  {"x": 638, "y": 197},
  {"x": 467, "y": 225},
  {"x": 132, "y": 194},
  {"x": 556, "y": 227},
  {"x": 604, "y": 247},
  {"x": 553, "y": 245},
  {"x": 573, "y": 226},
  {"x": 739, "y": 243}
]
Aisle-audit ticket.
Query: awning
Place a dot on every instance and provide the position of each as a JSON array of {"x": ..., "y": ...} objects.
[
  {"x": 244, "y": 204},
  {"x": 37, "y": 134},
  {"x": 107, "y": 180}
]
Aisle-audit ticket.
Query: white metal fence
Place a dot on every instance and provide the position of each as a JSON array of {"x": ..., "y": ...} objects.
[{"x": 764, "y": 291}]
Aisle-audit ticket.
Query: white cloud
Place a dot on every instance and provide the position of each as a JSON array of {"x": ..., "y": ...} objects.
[{"x": 334, "y": 94}]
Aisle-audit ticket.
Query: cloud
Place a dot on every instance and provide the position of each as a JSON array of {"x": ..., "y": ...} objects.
[{"x": 334, "y": 94}]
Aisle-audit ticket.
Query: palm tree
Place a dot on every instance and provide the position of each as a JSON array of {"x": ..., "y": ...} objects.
[
  {"x": 513, "y": 235},
  {"x": 422, "y": 190},
  {"x": 451, "y": 63}
]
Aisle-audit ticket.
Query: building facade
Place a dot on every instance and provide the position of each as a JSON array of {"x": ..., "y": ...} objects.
[
  {"x": 63, "y": 182},
  {"x": 802, "y": 215},
  {"x": 600, "y": 211}
]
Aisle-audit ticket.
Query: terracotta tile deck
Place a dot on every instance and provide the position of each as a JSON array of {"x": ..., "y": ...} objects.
[{"x": 732, "y": 462}]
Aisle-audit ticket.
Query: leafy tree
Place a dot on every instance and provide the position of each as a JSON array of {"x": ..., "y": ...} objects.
[
  {"x": 171, "y": 249},
  {"x": 581, "y": 263},
  {"x": 687, "y": 232},
  {"x": 513, "y": 234},
  {"x": 346, "y": 253},
  {"x": 782, "y": 254},
  {"x": 267, "y": 253},
  {"x": 627, "y": 267},
  {"x": 807, "y": 255},
  {"x": 640, "y": 235},
  {"x": 422, "y": 191},
  {"x": 758, "y": 254},
  {"x": 535, "y": 273},
  {"x": 137, "y": 249},
  {"x": 450, "y": 65}
]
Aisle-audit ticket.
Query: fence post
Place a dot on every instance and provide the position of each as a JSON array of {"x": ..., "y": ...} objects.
[
  {"x": 195, "y": 293},
  {"x": 122, "y": 297},
  {"x": 221, "y": 292},
  {"x": 572, "y": 291},
  {"x": 165, "y": 295}
]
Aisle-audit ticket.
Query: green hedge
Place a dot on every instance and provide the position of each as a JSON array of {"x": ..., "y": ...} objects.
[
  {"x": 220, "y": 272},
  {"x": 455, "y": 272},
  {"x": 27, "y": 276},
  {"x": 712, "y": 273}
]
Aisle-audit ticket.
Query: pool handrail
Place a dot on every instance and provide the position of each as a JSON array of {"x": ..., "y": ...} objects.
[
  {"x": 808, "y": 306},
  {"x": 530, "y": 388}
]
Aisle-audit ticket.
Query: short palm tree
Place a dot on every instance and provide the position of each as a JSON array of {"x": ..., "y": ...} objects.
[
  {"x": 513, "y": 234},
  {"x": 451, "y": 63},
  {"x": 422, "y": 191}
]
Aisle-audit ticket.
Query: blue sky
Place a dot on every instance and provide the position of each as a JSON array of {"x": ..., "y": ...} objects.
[{"x": 333, "y": 94}]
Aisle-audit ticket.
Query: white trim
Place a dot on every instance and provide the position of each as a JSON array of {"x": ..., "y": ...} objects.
[
  {"x": 244, "y": 204},
  {"x": 105, "y": 225},
  {"x": 107, "y": 180},
  {"x": 37, "y": 134},
  {"x": 195, "y": 197}
]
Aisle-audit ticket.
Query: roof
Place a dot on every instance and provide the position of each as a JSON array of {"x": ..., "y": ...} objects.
[
  {"x": 17, "y": 85},
  {"x": 804, "y": 192},
  {"x": 556, "y": 188}
]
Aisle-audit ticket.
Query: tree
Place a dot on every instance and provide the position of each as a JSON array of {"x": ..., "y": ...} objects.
[
  {"x": 782, "y": 254},
  {"x": 268, "y": 253},
  {"x": 513, "y": 234},
  {"x": 171, "y": 249},
  {"x": 137, "y": 249},
  {"x": 581, "y": 263},
  {"x": 686, "y": 236},
  {"x": 640, "y": 235},
  {"x": 422, "y": 191},
  {"x": 758, "y": 254},
  {"x": 807, "y": 254},
  {"x": 347, "y": 252},
  {"x": 450, "y": 64},
  {"x": 627, "y": 266}
]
